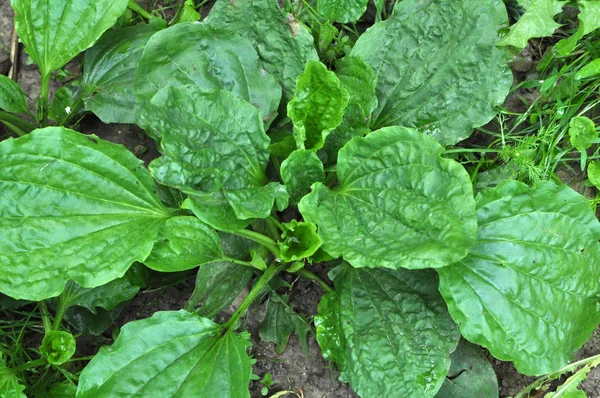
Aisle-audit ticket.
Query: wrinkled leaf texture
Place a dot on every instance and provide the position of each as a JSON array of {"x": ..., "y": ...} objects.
[
  {"x": 299, "y": 171},
  {"x": 342, "y": 11}
]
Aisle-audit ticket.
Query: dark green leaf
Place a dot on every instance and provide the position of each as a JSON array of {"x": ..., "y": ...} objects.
[
  {"x": 184, "y": 243},
  {"x": 317, "y": 106},
  {"x": 12, "y": 97},
  {"x": 389, "y": 332},
  {"x": 209, "y": 59},
  {"x": 342, "y": 11},
  {"x": 92, "y": 323},
  {"x": 299, "y": 171},
  {"x": 73, "y": 207},
  {"x": 107, "y": 296},
  {"x": 66, "y": 389},
  {"x": 109, "y": 72},
  {"x": 528, "y": 289},
  {"x": 172, "y": 354},
  {"x": 283, "y": 44},
  {"x": 55, "y": 31},
  {"x": 62, "y": 104},
  {"x": 57, "y": 347},
  {"x": 299, "y": 241},
  {"x": 437, "y": 65},
  {"x": 10, "y": 386},
  {"x": 276, "y": 326},
  {"x": 471, "y": 374},
  {"x": 399, "y": 203},
  {"x": 216, "y": 151}
]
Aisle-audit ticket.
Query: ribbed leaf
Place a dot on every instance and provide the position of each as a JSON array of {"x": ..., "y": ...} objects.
[
  {"x": 55, "y": 31},
  {"x": 172, "y": 354},
  {"x": 12, "y": 97},
  {"x": 389, "y": 332},
  {"x": 72, "y": 207},
  {"x": 528, "y": 289},
  {"x": 399, "y": 203},
  {"x": 437, "y": 65}
]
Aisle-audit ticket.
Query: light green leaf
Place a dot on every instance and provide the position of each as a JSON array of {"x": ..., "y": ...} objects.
[
  {"x": 299, "y": 241},
  {"x": 299, "y": 171},
  {"x": 354, "y": 124},
  {"x": 109, "y": 72},
  {"x": 437, "y": 66},
  {"x": 389, "y": 332},
  {"x": 66, "y": 389},
  {"x": 73, "y": 207},
  {"x": 55, "y": 31},
  {"x": 216, "y": 151},
  {"x": 342, "y": 11},
  {"x": 398, "y": 204},
  {"x": 589, "y": 70},
  {"x": 57, "y": 346},
  {"x": 208, "y": 59},
  {"x": 189, "y": 13},
  {"x": 184, "y": 243},
  {"x": 582, "y": 132},
  {"x": 10, "y": 386},
  {"x": 317, "y": 106},
  {"x": 589, "y": 21},
  {"x": 594, "y": 173},
  {"x": 537, "y": 21},
  {"x": 283, "y": 44},
  {"x": 569, "y": 388},
  {"x": 528, "y": 289},
  {"x": 470, "y": 375},
  {"x": 172, "y": 354},
  {"x": 12, "y": 97}
]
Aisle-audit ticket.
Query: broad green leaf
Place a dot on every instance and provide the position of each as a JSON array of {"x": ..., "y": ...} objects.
[
  {"x": 10, "y": 386},
  {"x": 317, "y": 106},
  {"x": 470, "y": 375},
  {"x": 209, "y": 59},
  {"x": 589, "y": 70},
  {"x": 589, "y": 21},
  {"x": 437, "y": 66},
  {"x": 92, "y": 323},
  {"x": 66, "y": 389},
  {"x": 537, "y": 21},
  {"x": 55, "y": 31},
  {"x": 109, "y": 72},
  {"x": 299, "y": 241},
  {"x": 216, "y": 151},
  {"x": 299, "y": 171},
  {"x": 73, "y": 207},
  {"x": 528, "y": 289},
  {"x": 342, "y": 11},
  {"x": 398, "y": 204},
  {"x": 172, "y": 354},
  {"x": 594, "y": 173},
  {"x": 582, "y": 132},
  {"x": 12, "y": 97},
  {"x": 354, "y": 124},
  {"x": 57, "y": 346},
  {"x": 219, "y": 284},
  {"x": 389, "y": 332},
  {"x": 283, "y": 44},
  {"x": 276, "y": 326},
  {"x": 63, "y": 103},
  {"x": 184, "y": 243}
]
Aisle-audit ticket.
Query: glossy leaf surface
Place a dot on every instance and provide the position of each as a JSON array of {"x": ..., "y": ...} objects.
[
  {"x": 12, "y": 97},
  {"x": 299, "y": 171},
  {"x": 109, "y": 72},
  {"x": 537, "y": 21},
  {"x": 184, "y": 243},
  {"x": 389, "y": 332},
  {"x": 215, "y": 150},
  {"x": 73, "y": 207},
  {"x": 589, "y": 21},
  {"x": 171, "y": 354},
  {"x": 299, "y": 240},
  {"x": 55, "y": 31},
  {"x": 398, "y": 204},
  {"x": 342, "y": 11},
  {"x": 317, "y": 106},
  {"x": 283, "y": 44},
  {"x": 208, "y": 58},
  {"x": 528, "y": 289},
  {"x": 57, "y": 346},
  {"x": 437, "y": 65}
]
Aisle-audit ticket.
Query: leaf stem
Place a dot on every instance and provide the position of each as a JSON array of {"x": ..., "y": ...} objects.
[
  {"x": 259, "y": 238},
  {"x": 44, "y": 94},
  {"x": 18, "y": 132},
  {"x": 242, "y": 262},
  {"x": 16, "y": 121},
  {"x": 31, "y": 364},
  {"x": 309, "y": 275},
  {"x": 45, "y": 316},
  {"x": 273, "y": 270},
  {"x": 60, "y": 312},
  {"x": 134, "y": 6}
]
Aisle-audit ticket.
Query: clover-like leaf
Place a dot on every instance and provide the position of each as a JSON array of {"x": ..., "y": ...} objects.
[
  {"x": 72, "y": 207},
  {"x": 389, "y": 332},
  {"x": 109, "y": 72},
  {"x": 528, "y": 289},
  {"x": 209, "y": 59},
  {"x": 398, "y": 204},
  {"x": 12, "y": 97},
  {"x": 172, "y": 354},
  {"x": 55, "y": 31},
  {"x": 317, "y": 106},
  {"x": 437, "y": 65},
  {"x": 283, "y": 44},
  {"x": 57, "y": 346},
  {"x": 299, "y": 171}
]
